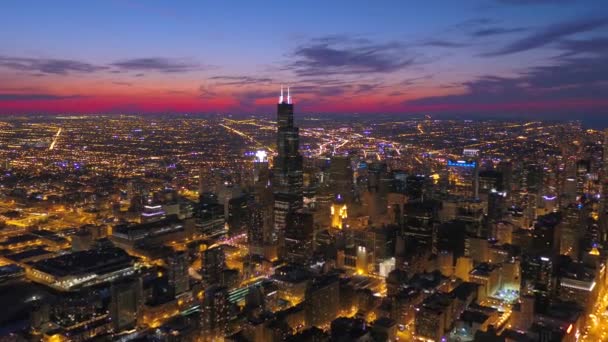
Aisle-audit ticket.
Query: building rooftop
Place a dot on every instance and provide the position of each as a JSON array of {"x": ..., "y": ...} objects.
[
  {"x": 30, "y": 253},
  {"x": 103, "y": 260},
  {"x": 18, "y": 239},
  {"x": 292, "y": 274},
  {"x": 483, "y": 269},
  {"x": 437, "y": 302},
  {"x": 464, "y": 290},
  {"x": 474, "y": 316}
]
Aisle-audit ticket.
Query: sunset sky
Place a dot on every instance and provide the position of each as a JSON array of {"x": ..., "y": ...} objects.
[{"x": 494, "y": 57}]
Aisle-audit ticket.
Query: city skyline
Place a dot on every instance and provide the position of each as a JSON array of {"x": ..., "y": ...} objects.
[
  {"x": 492, "y": 58},
  {"x": 239, "y": 171}
]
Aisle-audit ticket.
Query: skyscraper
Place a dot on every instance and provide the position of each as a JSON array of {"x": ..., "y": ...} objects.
[
  {"x": 125, "y": 303},
  {"x": 214, "y": 313},
  {"x": 299, "y": 236},
  {"x": 261, "y": 222},
  {"x": 322, "y": 300},
  {"x": 341, "y": 177},
  {"x": 214, "y": 262},
  {"x": 288, "y": 169},
  {"x": 177, "y": 266}
]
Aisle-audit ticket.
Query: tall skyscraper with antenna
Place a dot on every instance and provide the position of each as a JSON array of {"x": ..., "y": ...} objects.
[
  {"x": 288, "y": 162},
  {"x": 287, "y": 169}
]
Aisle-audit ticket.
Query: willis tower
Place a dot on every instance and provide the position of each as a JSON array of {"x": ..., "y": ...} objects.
[
  {"x": 287, "y": 170},
  {"x": 288, "y": 162}
]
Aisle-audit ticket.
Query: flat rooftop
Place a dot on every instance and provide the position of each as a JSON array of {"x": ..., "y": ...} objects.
[{"x": 103, "y": 260}]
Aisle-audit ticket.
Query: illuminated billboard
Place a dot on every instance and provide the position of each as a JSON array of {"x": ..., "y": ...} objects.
[{"x": 462, "y": 163}]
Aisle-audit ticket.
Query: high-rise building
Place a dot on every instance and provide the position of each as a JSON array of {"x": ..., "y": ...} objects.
[
  {"x": 338, "y": 213},
  {"x": 299, "y": 236},
  {"x": 238, "y": 215},
  {"x": 288, "y": 169},
  {"x": 477, "y": 249},
  {"x": 261, "y": 178},
  {"x": 256, "y": 236},
  {"x": 322, "y": 302},
  {"x": 523, "y": 313},
  {"x": 288, "y": 165},
  {"x": 214, "y": 313},
  {"x": 214, "y": 262},
  {"x": 420, "y": 223},
  {"x": 260, "y": 224},
  {"x": 497, "y": 206},
  {"x": 284, "y": 204},
  {"x": 434, "y": 317},
  {"x": 177, "y": 271},
  {"x": 536, "y": 273},
  {"x": 125, "y": 303},
  {"x": 341, "y": 177},
  {"x": 547, "y": 234},
  {"x": 210, "y": 218},
  {"x": 464, "y": 177},
  {"x": 571, "y": 231},
  {"x": 504, "y": 232},
  {"x": 445, "y": 263}
]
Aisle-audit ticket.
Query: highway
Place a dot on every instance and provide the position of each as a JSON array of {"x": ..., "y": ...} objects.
[{"x": 55, "y": 140}]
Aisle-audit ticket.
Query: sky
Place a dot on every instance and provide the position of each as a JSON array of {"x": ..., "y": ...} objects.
[{"x": 531, "y": 58}]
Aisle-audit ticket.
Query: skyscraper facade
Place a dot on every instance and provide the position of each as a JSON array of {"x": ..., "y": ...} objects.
[
  {"x": 125, "y": 303},
  {"x": 177, "y": 265},
  {"x": 288, "y": 168}
]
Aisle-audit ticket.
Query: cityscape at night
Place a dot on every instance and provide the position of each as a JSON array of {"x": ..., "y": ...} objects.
[{"x": 332, "y": 171}]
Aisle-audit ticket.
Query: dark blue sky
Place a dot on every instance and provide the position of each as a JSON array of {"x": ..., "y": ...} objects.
[{"x": 494, "y": 57}]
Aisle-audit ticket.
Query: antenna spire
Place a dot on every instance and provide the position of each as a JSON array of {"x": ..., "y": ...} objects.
[
  {"x": 281, "y": 97},
  {"x": 288, "y": 96}
]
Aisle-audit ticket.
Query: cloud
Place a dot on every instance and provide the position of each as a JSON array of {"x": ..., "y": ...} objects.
[
  {"x": 443, "y": 43},
  {"x": 495, "y": 31},
  {"x": 415, "y": 80},
  {"x": 206, "y": 93},
  {"x": 240, "y": 80},
  {"x": 36, "y": 97},
  {"x": 128, "y": 84},
  {"x": 583, "y": 78},
  {"x": 580, "y": 46},
  {"x": 158, "y": 64},
  {"x": 331, "y": 55},
  {"x": 48, "y": 65},
  {"x": 319, "y": 91},
  {"x": 366, "y": 88},
  {"x": 250, "y": 96},
  {"x": 550, "y": 35},
  {"x": 485, "y": 27},
  {"x": 177, "y": 92}
]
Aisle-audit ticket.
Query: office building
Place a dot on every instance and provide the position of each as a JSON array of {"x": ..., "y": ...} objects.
[
  {"x": 215, "y": 313},
  {"x": 125, "y": 303},
  {"x": 177, "y": 271},
  {"x": 322, "y": 302}
]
